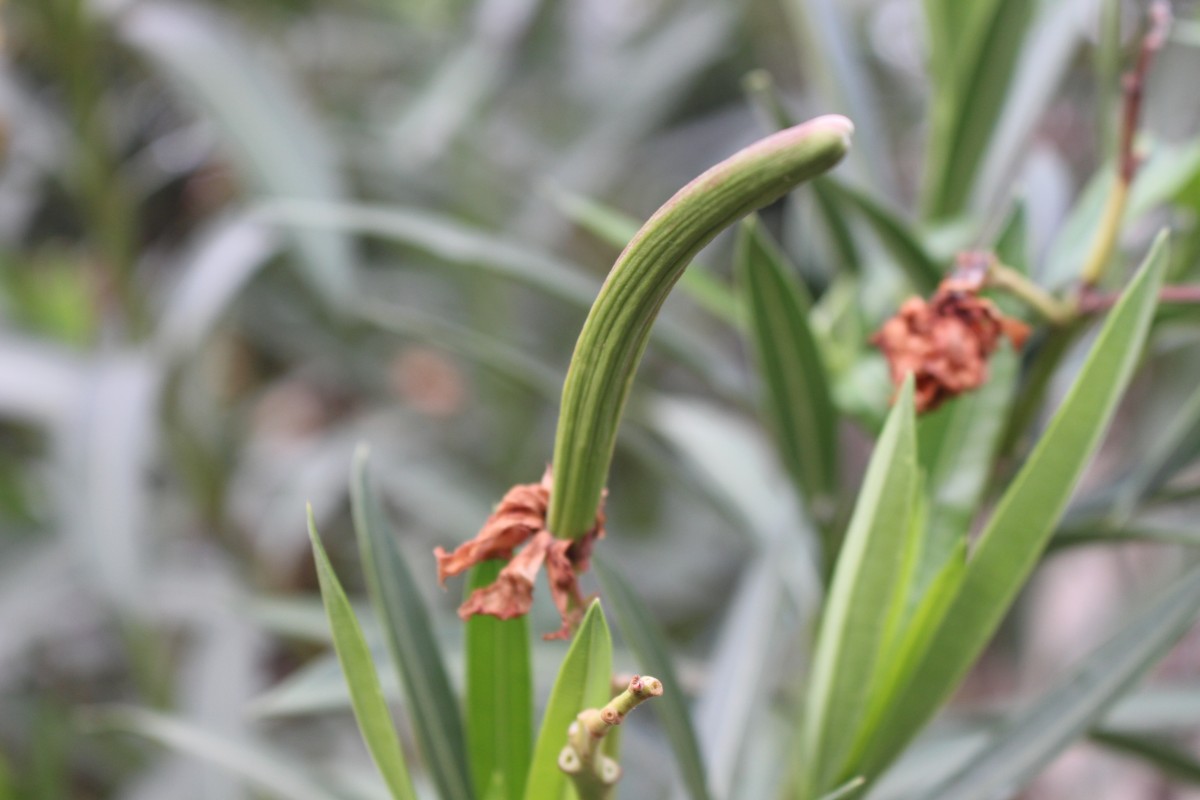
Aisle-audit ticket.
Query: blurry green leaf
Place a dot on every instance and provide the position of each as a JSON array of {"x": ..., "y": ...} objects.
[
  {"x": 853, "y": 626},
  {"x": 509, "y": 362},
  {"x": 271, "y": 134},
  {"x": 220, "y": 265},
  {"x": 636, "y": 624},
  {"x": 1059, "y": 31},
  {"x": 370, "y": 709},
  {"x": 1176, "y": 446},
  {"x": 832, "y": 57},
  {"x": 847, "y": 789},
  {"x": 443, "y": 237},
  {"x": 319, "y": 687},
  {"x": 108, "y": 447},
  {"x": 1096, "y": 531},
  {"x": 837, "y": 228},
  {"x": 1069, "y": 248},
  {"x": 484, "y": 252},
  {"x": 1036, "y": 736},
  {"x": 616, "y": 229},
  {"x": 1012, "y": 245},
  {"x": 499, "y": 697},
  {"x": 1026, "y": 515},
  {"x": 974, "y": 47},
  {"x": 254, "y": 762},
  {"x": 1171, "y": 760},
  {"x": 730, "y": 707},
  {"x": 896, "y": 235},
  {"x": 796, "y": 401},
  {"x": 1157, "y": 709},
  {"x": 584, "y": 681},
  {"x": 1164, "y": 174},
  {"x": 1168, "y": 759},
  {"x": 437, "y": 723}
]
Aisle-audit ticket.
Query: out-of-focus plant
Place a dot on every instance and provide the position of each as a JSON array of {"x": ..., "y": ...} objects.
[{"x": 211, "y": 294}]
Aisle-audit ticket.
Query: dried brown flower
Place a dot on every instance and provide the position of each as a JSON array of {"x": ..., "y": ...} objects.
[
  {"x": 945, "y": 342},
  {"x": 520, "y": 519}
]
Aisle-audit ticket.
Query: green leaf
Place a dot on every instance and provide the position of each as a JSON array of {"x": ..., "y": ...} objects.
[
  {"x": 584, "y": 681},
  {"x": 1025, "y": 517},
  {"x": 442, "y": 237},
  {"x": 841, "y": 236},
  {"x": 1170, "y": 451},
  {"x": 635, "y": 621},
  {"x": 437, "y": 721},
  {"x": 854, "y": 626},
  {"x": 370, "y": 709},
  {"x": 1170, "y": 760},
  {"x": 797, "y": 403},
  {"x": 1063, "y": 714},
  {"x": 893, "y": 233},
  {"x": 499, "y": 697},
  {"x": 975, "y": 47},
  {"x": 252, "y": 761},
  {"x": 1012, "y": 245},
  {"x": 847, "y": 789},
  {"x": 958, "y": 477},
  {"x": 481, "y": 252}
]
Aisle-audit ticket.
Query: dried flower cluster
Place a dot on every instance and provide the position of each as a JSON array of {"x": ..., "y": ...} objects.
[
  {"x": 520, "y": 519},
  {"x": 945, "y": 342}
]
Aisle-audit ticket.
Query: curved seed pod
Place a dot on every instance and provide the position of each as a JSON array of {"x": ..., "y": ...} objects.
[{"x": 615, "y": 333}]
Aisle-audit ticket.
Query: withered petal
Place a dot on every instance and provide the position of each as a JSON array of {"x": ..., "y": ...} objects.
[
  {"x": 945, "y": 342},
  {"x": 518, "y": 516},
  {"x": 564, "y": 588},
  {"x": 511, "y": 594}
]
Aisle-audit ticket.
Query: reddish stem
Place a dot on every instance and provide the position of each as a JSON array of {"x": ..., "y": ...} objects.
[
  {"x": 1091, "y": 302},
  {"x": 1134, "y": 85}
]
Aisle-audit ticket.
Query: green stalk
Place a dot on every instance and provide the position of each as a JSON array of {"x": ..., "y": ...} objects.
[{"x": 615, "y": 333}]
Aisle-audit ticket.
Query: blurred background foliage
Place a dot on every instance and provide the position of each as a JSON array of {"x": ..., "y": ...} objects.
[{"x": 236, "y": 239}]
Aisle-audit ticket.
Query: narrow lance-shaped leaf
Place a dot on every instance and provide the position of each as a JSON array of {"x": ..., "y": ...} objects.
[
  {"x": 1057, "y": 719},
  {"x": 616, "y": 330},
  {"x": 482, "y": 252},
  {"x": 797, "y": 401},
  {"x": 854, "y": 624},
  {"x": 252, "y": 761},
  {"x": 437, "y": 721},
  {"x": 647, "y": 642},
  {"x": 1025, "y": 518},
  {"x": 959, "y": 476},
  {"x": 895, "y": 234},
  {"x": 584, "y": 681},
  {"x": 366, "y": 695},
  {"x": 499, "y": 697},
  {"x": 1169, "y": 759},
  {"x": 975, "y": 47}
]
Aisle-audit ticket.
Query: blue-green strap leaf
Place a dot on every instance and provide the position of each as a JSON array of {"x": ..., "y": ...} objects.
[
  {"x": 437, "y": 721},
  {"x": 366, "y": 695}
]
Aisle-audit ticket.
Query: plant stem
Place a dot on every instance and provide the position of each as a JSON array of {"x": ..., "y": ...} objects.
[
  {"x": 615, "y": 333},
  {"x": 1127, "y": 160},
  {"x": 1092, "y": 302},
  {"x": 1055, "y": 311},
  {"x": 594, "y": 773}
]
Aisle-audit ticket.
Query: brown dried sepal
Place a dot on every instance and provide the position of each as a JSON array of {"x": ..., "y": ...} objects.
[
  {"x": 520, "y": 519},
  {"x": 945, "y": 342}
]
